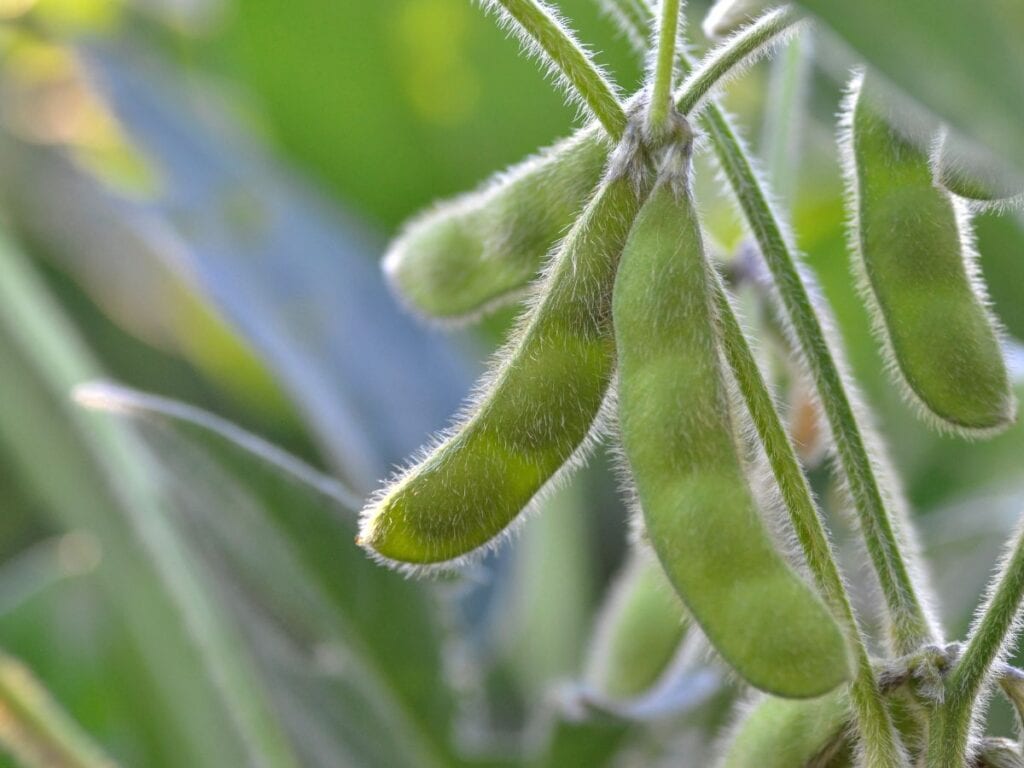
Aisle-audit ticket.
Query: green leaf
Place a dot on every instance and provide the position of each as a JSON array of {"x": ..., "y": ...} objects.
[
  {"x": 351, "y": 652},
  {"x": 96, "y": 475}
]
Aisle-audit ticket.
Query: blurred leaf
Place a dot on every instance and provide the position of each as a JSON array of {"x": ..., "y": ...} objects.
[
  {"x": 295, "y": 278},
  {"x": 351, "y": 651},
  {"x": 35, "y": 729},
  {"x": 94, "y": 474},
  {"x": 962, "y": 60}
]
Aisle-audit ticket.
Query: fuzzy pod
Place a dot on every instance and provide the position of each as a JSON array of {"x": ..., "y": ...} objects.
[
  {"x": 726, "y": 16},
  {"x": 639, "y": 630},
  {"x": 681, "y": 445},
  {"x": 782, "y": 733},
  {"x": 973, "y": 175},
  {"x": 913, "y": 250},
  {"x": 533, "y": 412},
  {"x": 479, "y": 250}
]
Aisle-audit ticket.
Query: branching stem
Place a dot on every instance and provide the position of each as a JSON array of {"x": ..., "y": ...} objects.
[
  {"x": 664, "y": 68},
  {"x": 540, "y": 24}
]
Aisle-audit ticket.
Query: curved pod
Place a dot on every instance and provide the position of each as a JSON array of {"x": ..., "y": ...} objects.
[
  {"x": 479, "y": 250},
  {"x": 912, "y": 246},
  {"x": 781, "y": 733},
  {"x": 680, "y": 443},
  {"x": 534, "y": 412},
  {"x": 639, "y": 629}
]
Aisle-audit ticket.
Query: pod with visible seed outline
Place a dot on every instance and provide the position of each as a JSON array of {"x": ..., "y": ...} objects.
[
  {"x": 638, "y": 631},
  {"x": 477, "y": 251},
  {"x": 534, "y": 414},
  {"x": 680, "y": 443},
  {"x": 782, "y": 733},
  {"x": 913, "y": 248}
]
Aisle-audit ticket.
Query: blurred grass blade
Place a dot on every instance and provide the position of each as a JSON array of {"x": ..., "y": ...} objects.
[
  {"x": 33, "y": 727},
  {"x": 97, "y": 475},
  {"x": 962, "y": 60},
  {"x": 351, "y": 650},
  {"x": 108, "y": 396}
]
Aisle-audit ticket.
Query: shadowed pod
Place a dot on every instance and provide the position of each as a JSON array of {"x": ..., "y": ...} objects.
[
  {"x": 479, "y": 250},
  {"x": 973, "y": 175},
  {"x": 638, "y": 630},
  {"x": 700, "y": 514},
  {"x": 782, "y": 733},
  {"x": 913, "y": 251},
  {"x": 534, "y": 410}
]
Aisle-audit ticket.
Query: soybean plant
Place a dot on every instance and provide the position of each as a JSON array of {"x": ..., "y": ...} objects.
[{"x": 630, "y": 335}]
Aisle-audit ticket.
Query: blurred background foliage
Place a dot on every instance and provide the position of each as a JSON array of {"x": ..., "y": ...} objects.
[{"x": 193, "y": 198}]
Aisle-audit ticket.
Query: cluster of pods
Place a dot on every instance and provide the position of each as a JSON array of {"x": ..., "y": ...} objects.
[{"x": 622, "y": 336}]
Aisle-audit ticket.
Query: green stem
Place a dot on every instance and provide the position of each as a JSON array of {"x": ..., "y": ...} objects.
[
  {"x": 950, "y": 729},
  {"x": 882, "y": 746},
  {"x": 728, "y": 59},
  {"x": 541, "y": 25},
  {"x": 35, "y": 730},
  {"x": 664, "y": 67},
  {"x": 911, "y": 627}
]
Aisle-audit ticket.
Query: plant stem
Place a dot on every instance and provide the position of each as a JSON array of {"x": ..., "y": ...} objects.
[
  {"x": 664, "y": 67},
  {"x": 911, "y": 627},
  {"x": 728, "y": 59},
  {"x": 541, "y": 26},
  {"x": 950, "y": 726},
  {"x": 34, "y": 728},
  {"x": 882, "y": 746}
]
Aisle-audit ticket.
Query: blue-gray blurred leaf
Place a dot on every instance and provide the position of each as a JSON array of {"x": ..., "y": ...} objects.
[{"x": 297, "y": 278}]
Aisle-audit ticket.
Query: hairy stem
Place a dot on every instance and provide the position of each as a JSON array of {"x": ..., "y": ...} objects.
[
  {"x": 911, "y": 627},
  {"x": 540, "y": 24},
  {"x": 664, "y": 67},
  {"x": 881, "y": 743},
  {"x": 950, "y": 727}
]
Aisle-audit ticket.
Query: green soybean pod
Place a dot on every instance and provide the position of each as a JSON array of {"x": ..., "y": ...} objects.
[
  {"x": 639, "y": 629},
  {"x": 479, "y": 250},
  {"x": 680, "y": 443},
  {"x": 913, "y": 252},
  {"x": 534, "y": 411},
  {"x": 783, "y": 733},
  {"x": 974, "y": 176}
]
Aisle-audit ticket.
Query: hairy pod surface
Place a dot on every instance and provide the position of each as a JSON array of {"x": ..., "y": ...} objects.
[
  {"x": 638, "y": 631},
  {"x": 681, "y": 446},
  {"x": 534, "y": 411},
  {"x": 479, "y": 250},
  {"x": 974, "y": 176},
  {"x": 782, "y": 733},
  {"x": 913, "y": 247}
]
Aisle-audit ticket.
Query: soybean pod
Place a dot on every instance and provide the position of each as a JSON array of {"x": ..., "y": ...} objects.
[
  {"x": 479, "y": 250},
  {"x": 781, "y": 733},
  {"x": 535, "y": 409},
  {"x": 680, "y": 443},
  {"x": 913, "y": 251},
  {"x": 638, "y": 631}
]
